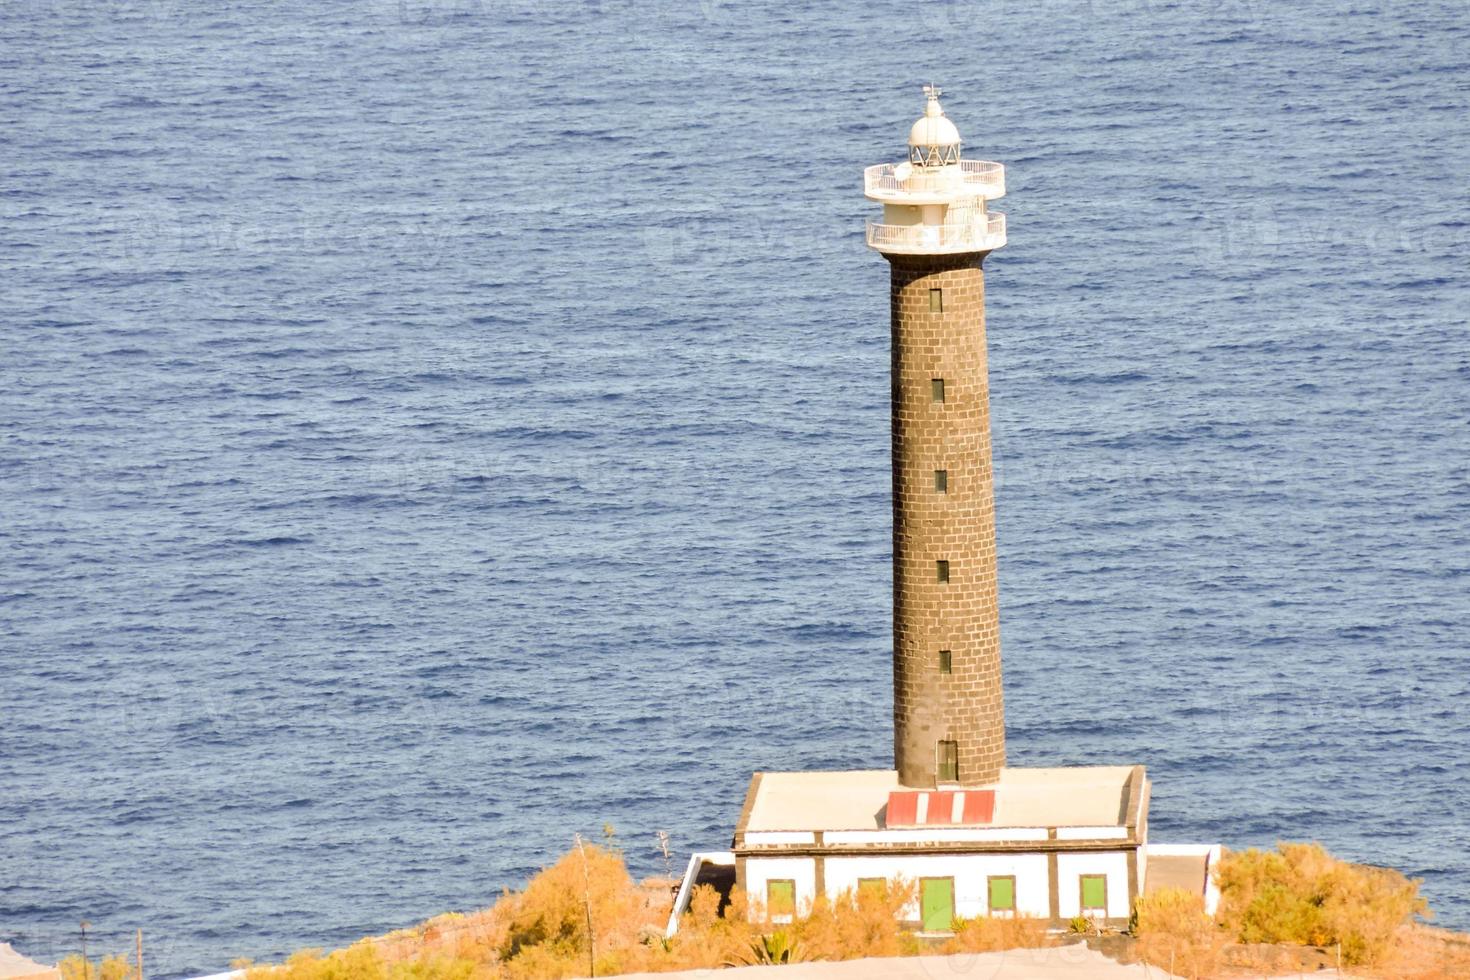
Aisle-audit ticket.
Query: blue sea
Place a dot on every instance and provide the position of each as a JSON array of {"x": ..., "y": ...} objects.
[{"x": 433, "y": 428}]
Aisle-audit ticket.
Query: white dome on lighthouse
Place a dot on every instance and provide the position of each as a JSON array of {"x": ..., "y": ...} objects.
[
  {"x": 933, "y": 140},
  {"x": 934, "y": 131}
]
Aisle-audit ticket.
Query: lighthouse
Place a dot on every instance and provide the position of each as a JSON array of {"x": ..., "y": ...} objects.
[
  {"x": 936, "y": 231},
  {"x": 973, "y": 836}
]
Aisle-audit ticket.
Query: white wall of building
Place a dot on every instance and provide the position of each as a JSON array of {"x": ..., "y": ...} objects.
[
  {"x": 697, "y": 860},
  {"x": 969, "y": 871},
  {"x": 1208, "y": 853},
  {"x": 780, "y": 837},
  {"x": 1071, "y": 868},
  {"x": 933, "y": 835}
]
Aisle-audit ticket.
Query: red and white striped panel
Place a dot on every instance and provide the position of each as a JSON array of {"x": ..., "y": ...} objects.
[{"x": 940, "y": 808}]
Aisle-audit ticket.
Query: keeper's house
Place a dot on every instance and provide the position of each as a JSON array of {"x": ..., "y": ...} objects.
[{"x": 1051, "y": 843}]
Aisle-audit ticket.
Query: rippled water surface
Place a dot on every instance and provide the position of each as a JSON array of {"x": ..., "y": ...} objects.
[{"x": 433, "y": 428}]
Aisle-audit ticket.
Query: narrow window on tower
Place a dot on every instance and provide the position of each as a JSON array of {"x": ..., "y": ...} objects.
[
  {"x": 949, "y": 762},
  {"x": 936, "y": 389},
  {"x": 941, "y": 571},
  {"x": 936, "y": 301},
  {"x": 941, "y": 481},
  {"x": 946, "y": 662}
]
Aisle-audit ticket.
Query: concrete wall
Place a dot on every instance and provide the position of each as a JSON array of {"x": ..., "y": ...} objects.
[{"x": 1207, "y": 854}]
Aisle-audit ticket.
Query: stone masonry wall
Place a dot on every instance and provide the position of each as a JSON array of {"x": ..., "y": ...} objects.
[{"x": 957, "y": 526}]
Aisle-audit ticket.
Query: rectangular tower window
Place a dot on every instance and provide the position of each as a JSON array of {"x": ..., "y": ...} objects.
[
  {"x": 941, "y": 571},
  {"x": 946, "y": 662},
  {"x": 936, "y": 389},
  {"x": 1002, "y": 893},
  {"x": 936, "y": 301},
  {"x": 780, "y": 898},
  {"x": 872, "y": 890},
  {"x": 949, "y": 762},
  {"x": 1094, "y": 893},
  {"x": 941, "y": 481}
]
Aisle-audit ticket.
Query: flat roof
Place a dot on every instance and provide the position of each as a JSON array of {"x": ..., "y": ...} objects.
[{"x": 1081, "y": 796}]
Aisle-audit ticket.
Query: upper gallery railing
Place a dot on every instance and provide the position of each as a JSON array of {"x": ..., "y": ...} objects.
[{"x": 982, "y": 178}]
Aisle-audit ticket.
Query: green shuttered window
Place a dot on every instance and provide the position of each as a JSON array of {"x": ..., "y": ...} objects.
[
  {"x": 1094, "y": 893},
  {"x": 936, "y": 904},
  {"x": 1002, "y": 889},
  {"x": 780, "y": 897}
]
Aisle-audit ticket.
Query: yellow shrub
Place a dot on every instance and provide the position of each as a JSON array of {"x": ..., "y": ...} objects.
[
  {"x": 539, "y": 933},
  {"x": 1175, "y": 933},
  {"x": 859, "y": 923},
  {"x": 108, "y": 968},
  {"x": 706, "y": 939},
  {"x": 1301, "y": 894},
  {"x": 1422, "y": 953},
  {"x": 363, "y": 960},
  {"x": 988, "y": 934},
  {"x": 359, "y": 961},
  {"x": 588, "y": 887}
]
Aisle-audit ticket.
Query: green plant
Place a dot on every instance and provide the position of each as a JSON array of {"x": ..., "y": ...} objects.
[
  {"x": 1079, "y": 925},
  {"x": 774, "y": 949}
]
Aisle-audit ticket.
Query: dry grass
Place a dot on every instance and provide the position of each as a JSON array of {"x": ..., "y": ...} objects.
[
  {"x": 708, "y": 939},
  {"x": 986, "y": 934},
  {"x": 857, "y": 924},
  {"x": 582, "y": 912},
  {"x": 1422, "y": 953},
  {"x": 108, "y": 968},
  {"x": 585, "y": 911}
]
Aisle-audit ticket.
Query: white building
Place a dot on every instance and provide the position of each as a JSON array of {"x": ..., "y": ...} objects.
[{"x": 1050, "y": 843}]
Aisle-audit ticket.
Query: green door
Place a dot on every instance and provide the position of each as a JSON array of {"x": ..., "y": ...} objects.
[{"x": 936, "y": 904}]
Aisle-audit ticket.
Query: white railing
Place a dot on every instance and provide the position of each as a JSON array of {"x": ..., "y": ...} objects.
[
  {"x": 982, "y": 178},
  {"x": 983, "y": 233}
]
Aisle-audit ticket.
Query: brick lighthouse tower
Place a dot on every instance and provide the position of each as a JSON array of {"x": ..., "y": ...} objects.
[{"x": 936, "y": 230}]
